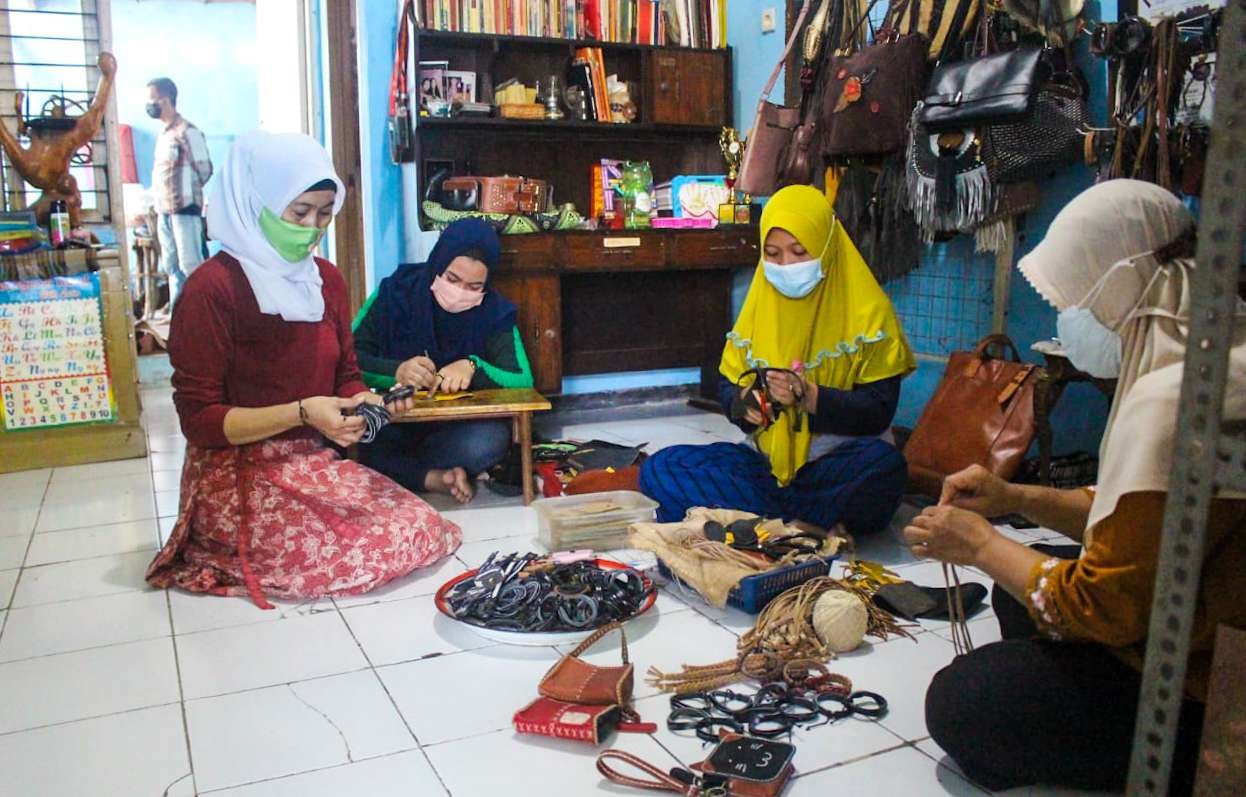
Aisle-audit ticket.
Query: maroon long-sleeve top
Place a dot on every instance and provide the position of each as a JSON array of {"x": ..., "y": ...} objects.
[{"x": 226, "y": 353}]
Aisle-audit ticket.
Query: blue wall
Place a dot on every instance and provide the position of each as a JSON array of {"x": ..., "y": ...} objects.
[
  {"x": 377, "y": 30},
  {"x": 208, "y": 50}
]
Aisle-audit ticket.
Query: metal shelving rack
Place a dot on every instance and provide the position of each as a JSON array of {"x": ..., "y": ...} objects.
[{"x": 1207, "y": 456}]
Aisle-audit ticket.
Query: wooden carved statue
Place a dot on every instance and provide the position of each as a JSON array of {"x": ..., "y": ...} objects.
[{"x": 54, "y": 141}]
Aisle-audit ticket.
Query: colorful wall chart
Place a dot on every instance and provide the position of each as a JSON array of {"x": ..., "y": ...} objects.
[{"x": 53, "y": 371}]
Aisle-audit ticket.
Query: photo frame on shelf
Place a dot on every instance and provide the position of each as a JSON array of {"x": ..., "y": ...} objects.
[{"x": 460, "y": 86}]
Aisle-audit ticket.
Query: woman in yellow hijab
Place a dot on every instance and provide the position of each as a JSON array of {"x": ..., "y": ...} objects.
[{"x": 815, "y": 311}]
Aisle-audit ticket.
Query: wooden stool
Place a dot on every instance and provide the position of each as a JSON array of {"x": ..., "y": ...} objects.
[{"x": 518, "y": 405}]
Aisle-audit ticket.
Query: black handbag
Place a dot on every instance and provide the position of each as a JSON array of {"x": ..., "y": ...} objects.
[{"x": 988, "y": 90}]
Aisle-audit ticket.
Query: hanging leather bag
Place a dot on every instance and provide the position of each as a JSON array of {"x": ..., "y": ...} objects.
[
  {"x": 868, "y": 96},
  {"x": 986, "y": 90},
  {"x": 982, "y": 413},
  {"x": 772, "y": 131}
]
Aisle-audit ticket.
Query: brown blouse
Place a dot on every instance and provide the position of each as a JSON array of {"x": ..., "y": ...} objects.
[{"x": 1105, "y": 596}]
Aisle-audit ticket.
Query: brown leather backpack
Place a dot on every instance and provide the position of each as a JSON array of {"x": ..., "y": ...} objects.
[{"x": 982, "y": 413}]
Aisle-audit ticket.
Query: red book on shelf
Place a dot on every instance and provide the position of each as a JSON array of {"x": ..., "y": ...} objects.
[
  {"x": 599, "y": 84},
  {"x": 592, "y": 19},
  {"x": 644, "y": 22}
]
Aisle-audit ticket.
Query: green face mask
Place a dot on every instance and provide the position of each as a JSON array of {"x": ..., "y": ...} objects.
[{"x": 292, "y": 241}]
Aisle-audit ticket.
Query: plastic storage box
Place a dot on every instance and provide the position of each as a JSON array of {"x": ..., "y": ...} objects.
[{"x": 589, "y": 521}]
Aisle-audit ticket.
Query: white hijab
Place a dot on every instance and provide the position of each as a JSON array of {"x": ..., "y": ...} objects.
[
  {"x": 1109, "y": 232},
  {"x": 269, "y": 170}
]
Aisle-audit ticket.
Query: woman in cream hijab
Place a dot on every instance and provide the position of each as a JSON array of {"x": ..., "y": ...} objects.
[{"x": 1055, "y": 701}]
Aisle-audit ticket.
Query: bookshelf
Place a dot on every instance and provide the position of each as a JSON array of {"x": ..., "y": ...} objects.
[{"x": 600, "y": 301}]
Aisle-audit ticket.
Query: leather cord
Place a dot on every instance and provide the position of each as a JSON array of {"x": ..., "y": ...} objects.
[{"x": 658, "y": 781}]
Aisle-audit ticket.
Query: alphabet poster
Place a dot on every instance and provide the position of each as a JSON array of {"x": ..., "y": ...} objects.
[{"x": 53, "y": 371}]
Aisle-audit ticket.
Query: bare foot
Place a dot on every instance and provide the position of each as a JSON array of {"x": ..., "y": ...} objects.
[{"x": 453, "y": 482}]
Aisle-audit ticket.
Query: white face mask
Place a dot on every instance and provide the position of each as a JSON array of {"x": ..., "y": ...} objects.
[{"x": 796, "y": 280}]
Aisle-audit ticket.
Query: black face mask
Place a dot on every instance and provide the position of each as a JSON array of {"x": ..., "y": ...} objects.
[{"x": 154, "y": 110}]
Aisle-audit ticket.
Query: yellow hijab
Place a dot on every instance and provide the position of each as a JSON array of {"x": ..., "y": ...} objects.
[{"x": 845, "y": 333}]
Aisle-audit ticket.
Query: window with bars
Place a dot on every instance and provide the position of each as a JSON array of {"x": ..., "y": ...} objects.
[{"x": 48, "y": 51}]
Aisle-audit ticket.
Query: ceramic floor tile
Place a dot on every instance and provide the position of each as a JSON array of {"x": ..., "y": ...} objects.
[
  {"x": 399, "y": 775},
  {"x": 399, "y": 631},
  {"x": 473, "y": 554},
  {"x": 18, "y": 522},
  {"x": 586, "y": 432},
  {"x": 292, "y": 728},
  {"x": 73, "y": 514},
  {"x": 79, "y": 490},
  {"x": 166, "y": 503},
  {"x": 89, "y": 683},
  {"x": 165, "y": 528},
  {"x": 667, "y": 643},
  {"x": 13, "y": 551},
  {"x": 903, "y": 771},
  {"x": 166, "y": 444},
  {"x": 494, "y": 523},
  {"x": 250, "y": 656},
  {"x": 899, "y": 670},
  {"x": 170, "y": 461},
  {"x": 424, "y": 581},
  {"x": 195, "y": 612},
  {"x": 89, "y": 623},
  {"x": 734, "y": 620},
  {"x": 24, "y": 489},
  {"x": 505, "y": 679},
  {"x": 137, "y": 753},
  {"x": 533, "y": 766},
  {"x": 167, "y": 480},
  {"x": 711, "y": 424},
  {"x": 982, "y": 631},
  {"x": 66, "y": 546},
  {"x": 87, "y": 474},
  {"x": 8, "y": 580},
  {"x": 103, "y": 575}
]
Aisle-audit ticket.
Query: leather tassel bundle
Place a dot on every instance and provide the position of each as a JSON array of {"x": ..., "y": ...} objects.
[
  {"x": 949, "y": 187},
  {"x": 784, "y": 633}
]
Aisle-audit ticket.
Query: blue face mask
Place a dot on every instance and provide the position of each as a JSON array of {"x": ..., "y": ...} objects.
[
  {"x": 1089, "y": 345},
  {"x": 795, "y": 281}
]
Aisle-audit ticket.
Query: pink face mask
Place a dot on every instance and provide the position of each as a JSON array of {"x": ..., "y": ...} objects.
[{"x": 455, "y": 298}]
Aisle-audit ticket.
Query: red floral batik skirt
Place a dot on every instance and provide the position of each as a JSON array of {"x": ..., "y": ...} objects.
[{"x": 289, "y": 518}]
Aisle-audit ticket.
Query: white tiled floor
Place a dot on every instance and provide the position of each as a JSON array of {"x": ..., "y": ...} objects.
[{"x": 110, "y": 688}]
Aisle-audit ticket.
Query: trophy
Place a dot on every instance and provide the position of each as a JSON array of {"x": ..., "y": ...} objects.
[{"x": 733, "y": 212}]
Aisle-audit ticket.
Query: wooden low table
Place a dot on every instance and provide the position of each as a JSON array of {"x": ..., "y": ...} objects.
[
  {"x": 518, "y": 405},
  {"x": 1057, "y": 373}
]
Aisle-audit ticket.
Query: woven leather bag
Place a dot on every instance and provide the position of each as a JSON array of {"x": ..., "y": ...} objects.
[
  {"x": 573, "y": 680},
  {"x": 982, "y": 413},
  {"x": 1047, "y": 138}
]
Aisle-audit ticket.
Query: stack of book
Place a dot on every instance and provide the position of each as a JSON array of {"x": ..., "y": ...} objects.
[
  {"x": 588, "y": 72},
  {"x": 688, "y": 23}
]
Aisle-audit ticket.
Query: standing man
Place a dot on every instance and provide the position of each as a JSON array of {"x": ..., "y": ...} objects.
[{"x": 182, "y": 167}]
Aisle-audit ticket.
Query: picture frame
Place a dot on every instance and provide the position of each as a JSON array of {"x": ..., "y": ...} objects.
[{"x": 460, "y": 86}]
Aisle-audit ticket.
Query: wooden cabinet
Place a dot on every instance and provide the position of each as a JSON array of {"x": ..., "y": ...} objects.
[
  {"x": 664, "y": 302},
  {"x": 689, "y": 87},
  {"x": 600, "y": 302}
]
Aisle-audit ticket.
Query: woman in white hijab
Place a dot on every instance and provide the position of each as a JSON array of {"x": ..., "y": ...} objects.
[
  {"x": 264, "y": 372},
  {"x": 1055, "y": 701}
]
